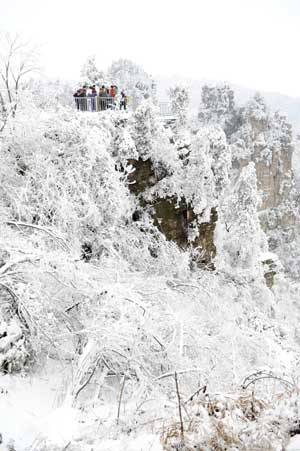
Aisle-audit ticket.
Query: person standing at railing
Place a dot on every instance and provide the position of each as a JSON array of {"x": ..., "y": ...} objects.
[
  {"x": 123, "y": 102},
  {"x": 82, "y": 95},
  {"x": 89, "y": 99},
  {"x": 112, "y": 91},
  {"x": 93, "y": 95},
  {"x": 80, "y": 100},
  {"x": 102, "y": 98},
  {"x": 112, "y": 95},
  {"x": 76, "y": 97}
]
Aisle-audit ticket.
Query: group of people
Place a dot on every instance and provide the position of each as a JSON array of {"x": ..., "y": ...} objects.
[{"x": 99, "y": 98}]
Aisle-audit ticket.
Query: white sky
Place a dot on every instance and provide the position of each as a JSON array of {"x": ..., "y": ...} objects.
[{"x": 249, "y": 42}]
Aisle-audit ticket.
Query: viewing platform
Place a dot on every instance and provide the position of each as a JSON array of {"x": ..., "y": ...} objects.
[{"x": 97, "y": 103}]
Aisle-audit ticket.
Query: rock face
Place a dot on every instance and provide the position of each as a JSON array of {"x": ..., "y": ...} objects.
[
  {"x": 175, "y": 221},
  {"x": 273, "y": 162},
  {"x": 174, "y": 218},
  {"x": 254, "y": 135},
  {"x": 266, "y": 139},
  {"x": 142, "y": 177}
]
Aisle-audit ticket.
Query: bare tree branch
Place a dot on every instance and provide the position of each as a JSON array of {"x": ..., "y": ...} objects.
[
  {"x": 17, "y": 59},
  {"x": 120, "y": 398},
  {"x": 89, "y": 377},
  {"x": 56, "y": 238},
  {"x": 179, "y": 407}
]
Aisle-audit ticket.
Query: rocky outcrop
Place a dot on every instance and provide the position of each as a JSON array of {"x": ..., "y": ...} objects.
[
  {"x": 273, "y": 162},
  {"x": 142, "y": 176},
  {"x": 174, "y": 218}
]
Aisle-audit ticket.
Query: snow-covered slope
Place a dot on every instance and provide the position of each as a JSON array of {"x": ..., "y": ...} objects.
[{"x": 110, "y": 309}]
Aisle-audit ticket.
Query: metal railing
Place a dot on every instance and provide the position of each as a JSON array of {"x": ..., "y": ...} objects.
[
  {"x": 99, "y": 103},
  {"x": 165, "y": 109}
]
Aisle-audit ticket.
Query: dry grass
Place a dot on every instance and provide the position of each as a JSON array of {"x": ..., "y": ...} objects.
[{"x": 210, "y": 422}]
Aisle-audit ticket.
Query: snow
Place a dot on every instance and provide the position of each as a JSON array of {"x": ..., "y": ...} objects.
[
  {"x": 143, "y": 442},
  {"x": 294, "y": 444},
  {"x": 107, "y": 328},
  {"x": 27, "y": 406}
]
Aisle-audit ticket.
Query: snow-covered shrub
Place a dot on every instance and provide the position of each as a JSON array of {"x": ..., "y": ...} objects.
[{"x": 13, "y": 354}]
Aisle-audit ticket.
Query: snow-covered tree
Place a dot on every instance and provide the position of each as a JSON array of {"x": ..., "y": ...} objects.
[
  {"x": 123, "y": 145},
  {"x": 90, "y": 73},
  {"x": 18, "y": 60},
  {"x": 48, "y": 94},
  {"x": 218, "y": 107},
  {"x": 257, "y": 109},
  {"x": 132, "y": 78},
  {"x": 181, "y": 135},
  {"x": 240, "y": 239},
  {"x": 220, "y": 153},
  {"x": 145, "y": 128},
  {"x": 254, "y": 123},
  {"x": 180, "y": 100}
]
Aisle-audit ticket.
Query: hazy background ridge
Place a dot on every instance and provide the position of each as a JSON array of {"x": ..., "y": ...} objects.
[{"x": 275, "y": 100}]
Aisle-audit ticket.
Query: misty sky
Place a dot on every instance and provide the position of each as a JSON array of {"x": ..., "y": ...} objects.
[{"x": 249, "y": 42}]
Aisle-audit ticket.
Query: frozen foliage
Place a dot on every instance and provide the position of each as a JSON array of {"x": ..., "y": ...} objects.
[{"x": 111, "y": 309}]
